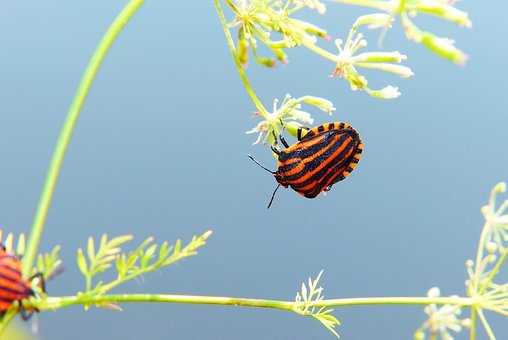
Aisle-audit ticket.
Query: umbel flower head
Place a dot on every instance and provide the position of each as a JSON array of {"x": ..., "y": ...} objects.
[
  {"x": 257, "y": 20},
  {"x": 441, "y": 320},
  {"x": 288, "y": 116},
  {"x": 409, "y": 9},
  {"x": 348, "y": 59}
]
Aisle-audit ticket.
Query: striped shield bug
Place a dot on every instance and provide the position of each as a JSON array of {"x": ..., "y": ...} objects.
[
  {"x": 13, "y": 287},
  {"x": 323, "y": 156}
]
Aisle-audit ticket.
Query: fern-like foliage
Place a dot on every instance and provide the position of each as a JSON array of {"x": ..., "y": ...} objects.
[
  {"x": 145, "y": 258},
  {"x": 49, "y": 264},
  {"x": 305, "y": 302}
]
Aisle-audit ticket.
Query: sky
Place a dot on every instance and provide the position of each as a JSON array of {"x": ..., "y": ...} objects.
[{"x": 160, "y": 150}]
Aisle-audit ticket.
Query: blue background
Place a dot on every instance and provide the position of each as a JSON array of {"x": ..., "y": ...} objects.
[{"x": 160, "y": 150}]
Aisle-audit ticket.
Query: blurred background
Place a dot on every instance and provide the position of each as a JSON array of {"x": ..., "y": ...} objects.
[{"x": 160, "y": 150}]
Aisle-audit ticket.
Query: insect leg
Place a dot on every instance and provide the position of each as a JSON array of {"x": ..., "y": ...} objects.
[
  {"x": 25, "y": 315},
  {"x": 42, "y": 281},
  {"x": 275, "y": 150}
]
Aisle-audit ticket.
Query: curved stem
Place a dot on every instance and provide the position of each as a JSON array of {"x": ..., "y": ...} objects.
[
  {"x": 243, "y": 76},
  {"x": 320, "y": 51},
  {"x": 68, "y": 128},
  {"x": 52, "y": 303}
]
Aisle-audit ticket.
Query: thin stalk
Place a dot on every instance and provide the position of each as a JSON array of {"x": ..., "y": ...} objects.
[
  {"x": 472, "y": 329},
  {"x": 320, "y": 51},
  {"x": 486, "y": 325},
  {"x": 475, "y": 281},
  {"x": 68, "y": 129},
  {"x": 494, "y": 270},
  {"x": 52, "y": 303},
  {"x": 243, "y": 76}
]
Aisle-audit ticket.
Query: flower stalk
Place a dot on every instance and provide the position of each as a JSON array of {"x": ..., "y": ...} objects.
[{"x": 68, "y": 129}]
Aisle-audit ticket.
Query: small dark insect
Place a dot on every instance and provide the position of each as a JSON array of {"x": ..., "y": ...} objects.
[
  {"x": 12, "y": 285},
  {"x": 323, "y": 156}
]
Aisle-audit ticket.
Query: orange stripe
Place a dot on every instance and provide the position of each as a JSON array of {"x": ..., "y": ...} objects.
[
  {"x": 310, "y": 187},
  {"x": 324, "y": 164},
  {"x": 307, "y": 160},
  {"x": 303, "y": 145}
]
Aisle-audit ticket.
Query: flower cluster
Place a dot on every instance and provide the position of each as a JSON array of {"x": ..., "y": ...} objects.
[
  {"x": 441, "y": 320},
  {"x": 288, "y": 116},
  {"x": 257, "y": 20},
  {"x": 492, "y": 253},
  {"x": 409, "y": 9},
  {"x": 348, "y": 59}
]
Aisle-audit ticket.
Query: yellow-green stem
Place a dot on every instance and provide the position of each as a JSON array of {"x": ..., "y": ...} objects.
[
  {"x": 243, "y": 76},
  {"x": 68, "y": 128},
  {"x": 472, "y": 329},
  {"x": 320, "y": 51},
  {"x": 58, "y": 302},
  {"x": 486, "y": 325}
]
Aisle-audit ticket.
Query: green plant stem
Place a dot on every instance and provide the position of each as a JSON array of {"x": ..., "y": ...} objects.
[
  {"x": 495, "y": 270},
  {"x": 68, "y": 128},
  {"x": 243, "y": 76},
  {"x": 320, "y": 51},
  {"x": 486, "y": 325},
  {"x": 473, "y": 290},
  {"x": 6, "y": 320},
  {"x": 52, "y": 303},
  {"x": 472, "y": 329}
]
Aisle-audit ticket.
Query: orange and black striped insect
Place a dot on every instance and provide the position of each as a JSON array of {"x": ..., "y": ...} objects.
[
  {"x": 323, "y": 156},
  {"x": 12, "y": 285}
]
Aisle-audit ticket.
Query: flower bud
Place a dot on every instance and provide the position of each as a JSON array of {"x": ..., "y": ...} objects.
[
  {"x": 388, "y": 92},
  {"x": 491, "y": 247},
  {"x": 444, "y": 47},
  {"x": 321, "y": 103},
  {"x": 373, "y": 21},
  {"x": 419, "y": 335},
  {"x": 500, "y": 188},
  {"x": 444, "y": 11}
]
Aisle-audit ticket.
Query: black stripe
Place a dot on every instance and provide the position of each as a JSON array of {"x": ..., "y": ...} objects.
[
  {"x": 320, "y": 177},
  {"x": 338, "y": 161},
  {"x": 23, "y": 291},
  {"x": 355, "y": 160},
  {"x": 299, "y": 133},
  {"x": 315, "y": 163},
  {"x": 321, "y": 128},
  {"x": 341, "y": 125},
  {"x": 312, "y": 165},
  {"x": 285, "y": 168},
  {"x": 305, "y": 152},
  {"x": 9, "y": 268},
  {"x": 332, "y": 173},
  {"x": 320, "y": 187},
  {"x": 331, "y": 126}
]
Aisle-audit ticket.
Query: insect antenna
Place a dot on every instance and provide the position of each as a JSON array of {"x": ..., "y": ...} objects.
[
  {"x": 273, "y": 196},
  {"x": 261, "y": 166}
]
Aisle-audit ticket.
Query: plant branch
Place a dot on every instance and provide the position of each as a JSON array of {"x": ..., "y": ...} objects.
[
  {"x": 243, "y": 76},
  {"x": 52, "y": 303},
  {"x": 68, "y": 129}
]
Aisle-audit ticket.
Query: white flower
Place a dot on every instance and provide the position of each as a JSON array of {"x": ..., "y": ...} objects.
[
  {"x": 495, "y": 218},
  {"x": 441, "y": 320},
  {"x": 288, "y": 114}
]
